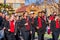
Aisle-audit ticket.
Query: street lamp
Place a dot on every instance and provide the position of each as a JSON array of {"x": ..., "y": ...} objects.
[{"x": 4, "y": 1}]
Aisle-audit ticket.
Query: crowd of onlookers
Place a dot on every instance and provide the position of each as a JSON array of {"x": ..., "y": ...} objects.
[{"x": 27, "y": 24}]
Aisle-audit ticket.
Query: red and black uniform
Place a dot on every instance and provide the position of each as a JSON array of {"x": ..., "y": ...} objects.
[
  {"x": 10, "y": 34},
  {"x": 25, "y": 28},
  {"x": 55, "y": 28},
  {"x": 41, "y": 24},
  {"x": 52, "y": 17},
  {"x": 12, "y": 26},
  {"x": 18, "y": 29},
  {"x": 32, "y": 27},
  {"x": 57, "y": 24},
  {"x": 12, "y": 29}
]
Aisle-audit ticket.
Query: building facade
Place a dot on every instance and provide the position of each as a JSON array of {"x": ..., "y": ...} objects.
[{"x": 14, "y": 3}]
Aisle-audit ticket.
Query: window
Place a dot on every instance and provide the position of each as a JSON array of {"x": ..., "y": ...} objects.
[{"x": 16, "y": 5}]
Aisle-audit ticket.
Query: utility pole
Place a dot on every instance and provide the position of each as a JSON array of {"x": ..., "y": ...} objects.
[
  {"x": 4, "y": 11},
  {"x": 4, "y": 1}
]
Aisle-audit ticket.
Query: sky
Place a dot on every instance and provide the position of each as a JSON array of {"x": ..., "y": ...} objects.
[
  {"x": 57, "y": 1},
  {"x": 27, "y": 2}
]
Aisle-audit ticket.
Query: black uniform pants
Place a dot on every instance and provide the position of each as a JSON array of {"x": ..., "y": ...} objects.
[
  {"x": 33, "y": 35},
  {"x": 9, "y": 36},
  {"x": 6, "y": 35},
  {"x": 17, "y": 36},
  {"x": 40, "y": 35},
  {"x": 12, "y": 36},
  {"x": 26, "y": 35},
  {"x": 55, "y": 35}
]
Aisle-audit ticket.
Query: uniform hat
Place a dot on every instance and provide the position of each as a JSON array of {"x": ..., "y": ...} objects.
[{"x": 32, "y": 12}]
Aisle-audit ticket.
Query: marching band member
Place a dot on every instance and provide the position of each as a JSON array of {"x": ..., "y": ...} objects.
[
  {"x": 18, "y": 29},
  {"x": 40, "y": 26},
  {"x": 10, "y": 28},
  {"x": 32, "y": 24},
  {"x": 55, "y": 28},
  {"x": 26, "y": 26}
]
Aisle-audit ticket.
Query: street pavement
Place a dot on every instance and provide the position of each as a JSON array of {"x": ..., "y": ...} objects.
[{"x": 37, "y": 38}]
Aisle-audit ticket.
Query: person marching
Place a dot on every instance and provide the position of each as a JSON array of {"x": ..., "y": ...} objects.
[
  {"x": 33, "y": 26},
  {"x": 51, "y": 18},
  {"x": 44, "y": 23},
  {"x": 26, "y": 26},
  {"x": 55, "y": 28},
  {"x": 40, "y": 26},
  {"x": 10, "y": 28},
  {"x": 6, "y": 25},
  {"x": 18, "y": 25}
]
